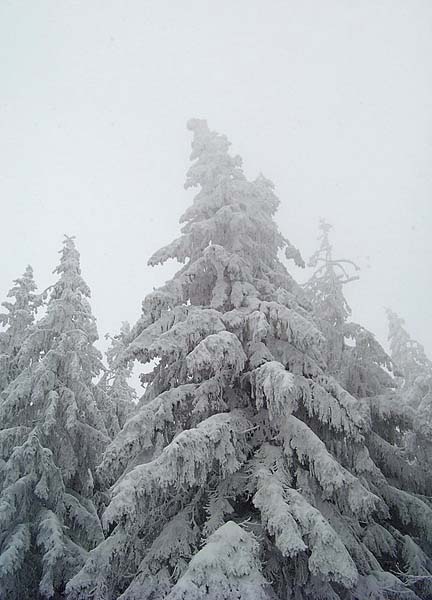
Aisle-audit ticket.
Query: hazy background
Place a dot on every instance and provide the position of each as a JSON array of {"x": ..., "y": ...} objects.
[{"x": 332, "y": 100}]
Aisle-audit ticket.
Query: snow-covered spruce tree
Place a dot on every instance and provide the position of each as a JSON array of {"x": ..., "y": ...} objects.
[
  {"x": 325, "y": 288},
  {"x": 408, "y": 354},
  {"x": 415, "y": 384},
  {"x": 17, "y": 322},
  {"x": 413, "y": 398},
  {"x": 414, "y": 393},
  {"x": 245, "y": 472},
  {"x": 362, "y": 366},
  {"x": 52, "y": 436},
  {"x": 352, "y": 353},
  {"x": 116, "y": 398}
]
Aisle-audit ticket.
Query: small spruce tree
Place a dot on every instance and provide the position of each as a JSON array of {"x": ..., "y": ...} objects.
[
  {"x": 353, "y": 355},
  {"x": 116, "y": 398},
  {"x": 408, "y": 354},
  {"x": 17, "y": 322},
  {"x": 325, "y": 288},
  {"x": 414, "y": 395},
  {"x": 51, "y": 439}
]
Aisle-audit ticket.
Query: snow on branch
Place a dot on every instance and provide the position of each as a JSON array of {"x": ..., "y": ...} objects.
[
  {"x": 167, "y": 319},
  {"x": 274, "y": 385},
  {"x": 335, "y": 481},
  {"x": 217, "y": 508},
  {"x": 258, "y": 327},
  {"x": 389, "y": 409},
  {"x": 13, "y": 550},
  {"x": 218, "y": 353},
  {"x": 325, "y": 399},
  {"x": 93, "y": 580},
  {"x": 329, "y": 558},
  {"x": 51, "y": 540},
  {"x": 158, "y": 421},
  {"x": 297, "y": 330},
  {"x": 214, "y": 445},
  {"x": 394, "y": 463},
  {"x": 166, "y": 559},
  {"x": 416, "y": 562},
  {"x": 11, "y": 437},
  {"x": 184, "y": 336},
  {"x": 228, "y": 567},
  {"x": 138, "y": 433},
  {"x": 179, "y": 250},
  {"x": 297, "y": 526},
  {"x": 410, "y": 510},
  {"x": 276, "y": 514},
  {"x": 83, "y": 519},
  {"x": 380, "y": 541}
]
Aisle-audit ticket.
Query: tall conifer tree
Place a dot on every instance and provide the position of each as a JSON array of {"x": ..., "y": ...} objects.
[
  {"x": 245, "y": 473},
  {"x": 51, "y": 439}
]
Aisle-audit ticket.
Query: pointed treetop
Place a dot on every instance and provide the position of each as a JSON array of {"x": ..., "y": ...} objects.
[
  {"x": 229, "y": 211},
  {"x": 17, "y": 321},
  {"x": 22, "y": 290},
  {"x": 210, "y": 141},
  {"x": 329, "y": 277},
  {"x": 214, "y": 164},
  {"x": 408, "y": 354},
  {"x": 70, "y": 257},
  {"x": 69, "y": 270},
  {"x": 324, "y": 255},
  {"x": 68, "y": 324}
]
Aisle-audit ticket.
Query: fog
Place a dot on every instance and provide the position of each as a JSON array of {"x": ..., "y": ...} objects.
[{"x": 330, "y": 100}]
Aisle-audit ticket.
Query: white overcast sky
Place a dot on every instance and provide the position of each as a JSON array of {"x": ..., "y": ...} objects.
[{"x": 331, "y": 99}]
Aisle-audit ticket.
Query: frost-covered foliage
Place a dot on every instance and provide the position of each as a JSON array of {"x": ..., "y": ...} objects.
[
  {"x": 408, "y": 354},
  {"x": 51, "y": 439},
  {"x": 325, "y": 288},
  {"x": 247, "y": 470},
  {"x": 415, "y": 375},
  {"x": 227, "y": 568},
  {"x": 414, "y": 396},
  {"x": 17, "y": 324},
  {"x": 116, "y": 398},
  {"x": 353, "y": 355}
]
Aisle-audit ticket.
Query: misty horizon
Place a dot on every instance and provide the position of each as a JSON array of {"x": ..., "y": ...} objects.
[{"x": 332, "y": 105}]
